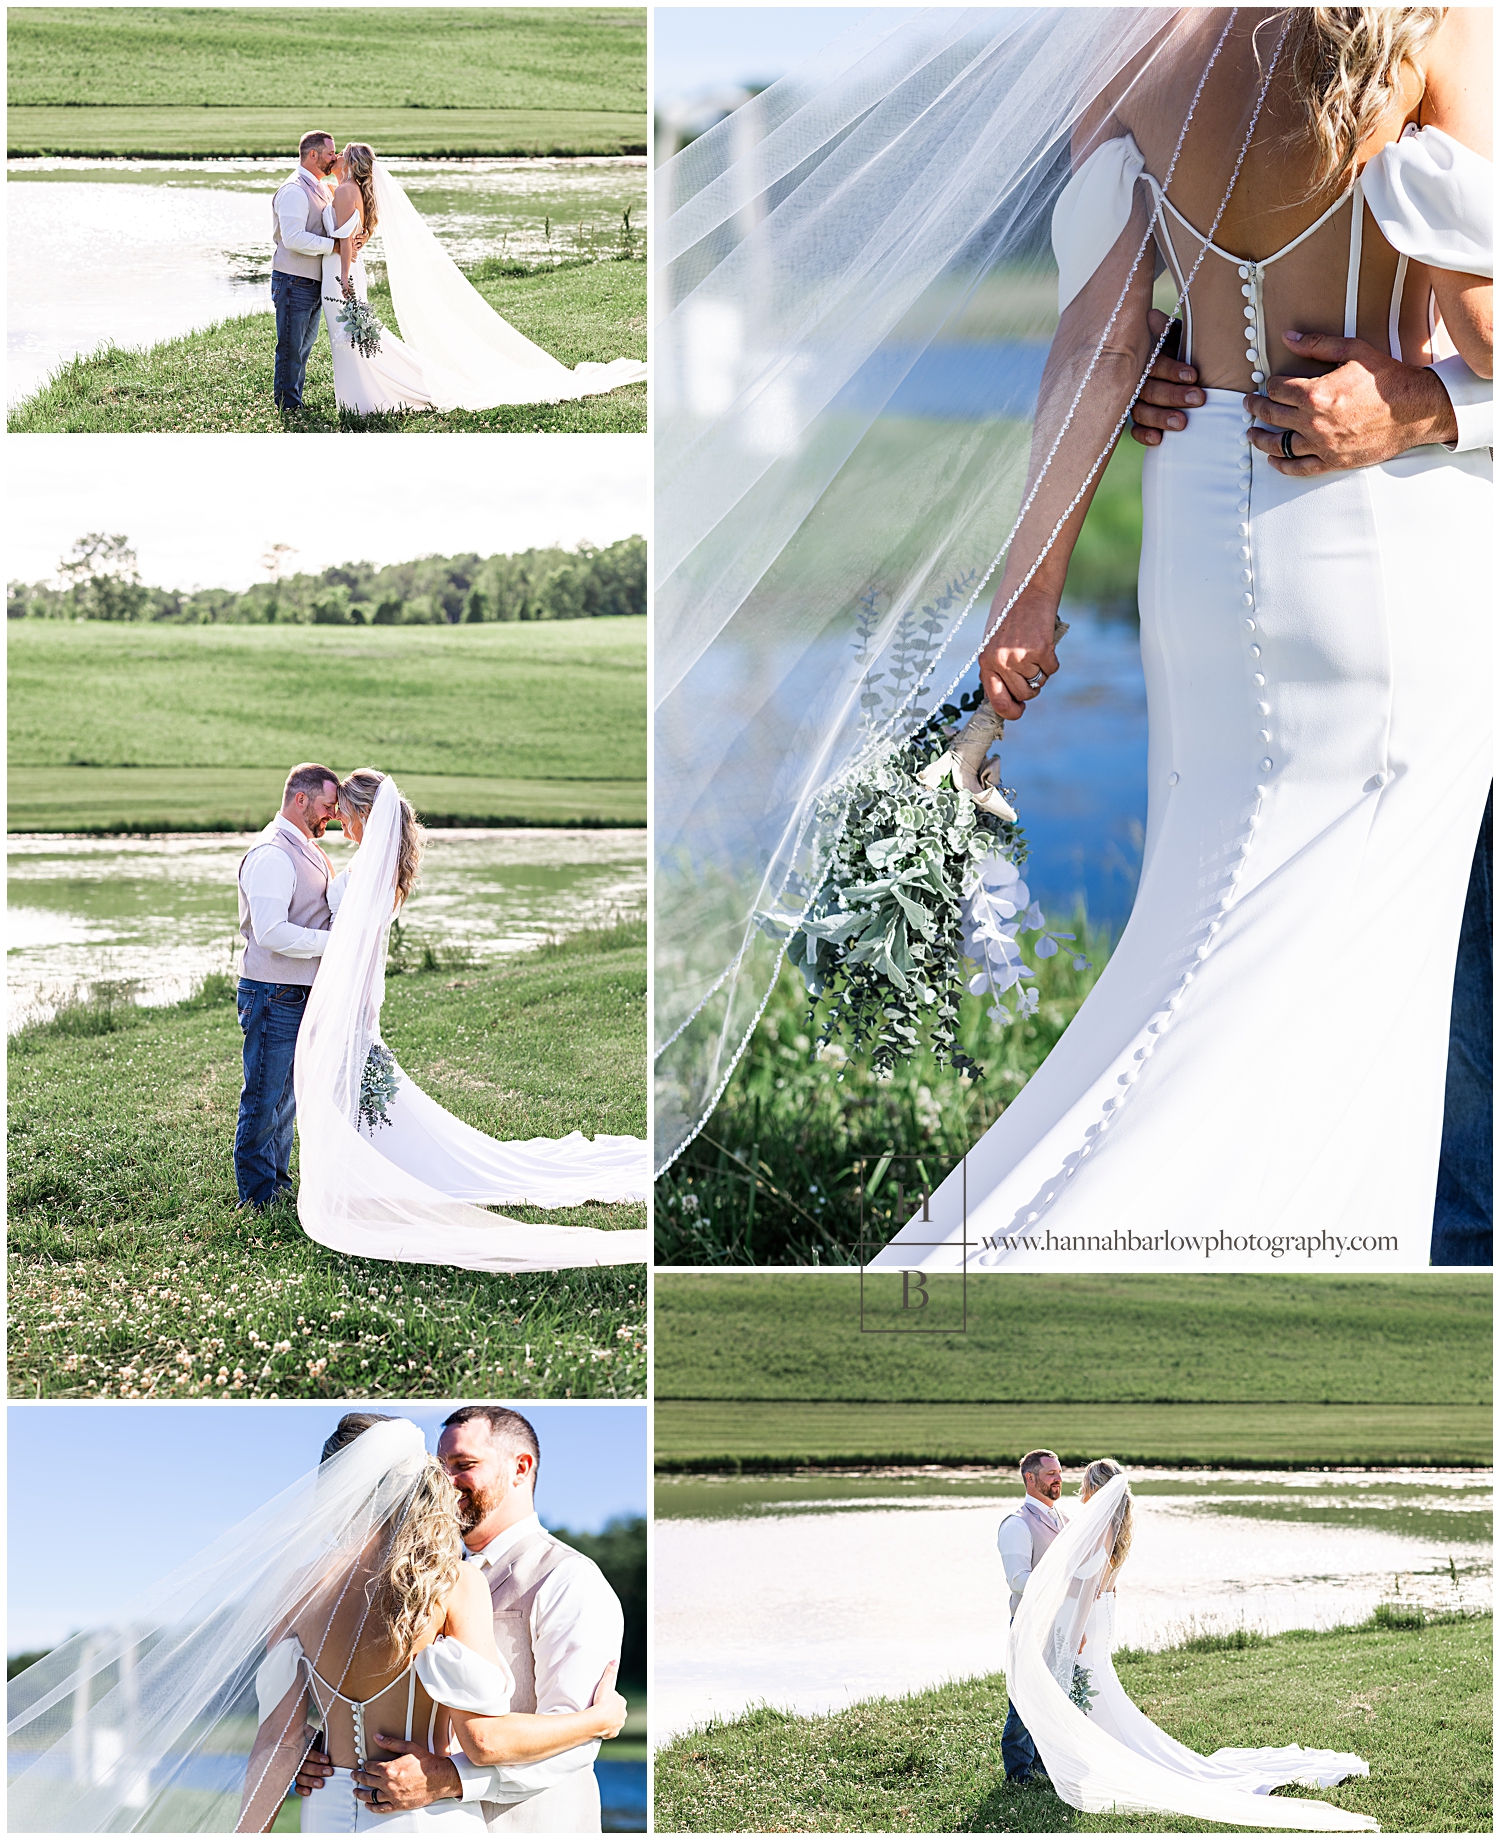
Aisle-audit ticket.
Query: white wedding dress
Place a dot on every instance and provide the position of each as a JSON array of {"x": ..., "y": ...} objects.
[
  {"x": 456, "y": 352},
  {"x": 415, "y": 1186},
  {"x": 1112, "y": 1758},
  {"x": 1259, "y": 1071},
  {"x": 453, "y": 1676}
]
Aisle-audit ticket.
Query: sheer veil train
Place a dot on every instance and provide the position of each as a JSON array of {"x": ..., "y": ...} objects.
[
  {"x": 145, "y": 1723},
  {"x": 413, "y": 1188},
  {"x": 471, "y": 357}
]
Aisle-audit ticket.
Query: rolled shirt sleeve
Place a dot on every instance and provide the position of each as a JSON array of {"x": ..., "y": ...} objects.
[
  {"x": 1014, "y": 1541},
  {"x": 577, "y": 1629},
  {"x": 1473, "y": 399},
  {"x": 291, "y": 216},
  {"x": 269, "y": 882}
]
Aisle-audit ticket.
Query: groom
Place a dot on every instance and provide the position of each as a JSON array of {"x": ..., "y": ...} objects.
[
  {"x": 558, "y": 1625},
  {"x": 297, "y": 266},
  {"x": 284, "y": 920},
  {"x": 1024, "y": 1536}
]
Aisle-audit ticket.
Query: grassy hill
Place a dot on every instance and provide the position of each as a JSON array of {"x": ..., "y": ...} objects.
[{"x": 120, "y": 727}]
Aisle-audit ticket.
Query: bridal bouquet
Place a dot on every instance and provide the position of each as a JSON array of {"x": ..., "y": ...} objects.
[
  {"x": 1083, "y": 1693},
  {"x": 922, "y": 899},
  {"x": 377, "y": 1086},
  {"x": 362, "y": 324}
]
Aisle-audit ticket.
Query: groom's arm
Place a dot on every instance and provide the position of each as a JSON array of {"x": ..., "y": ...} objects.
[
  {"x": 1014, "y": 1542},
  {"x": 291, "y": 217},
  {"x": 577, "y": 1628},
  {"x": 270, "y": 882}
]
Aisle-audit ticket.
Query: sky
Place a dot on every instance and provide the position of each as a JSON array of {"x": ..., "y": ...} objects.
[
  {"x": 201, "y": 510},
  {"x": 106, "y": 1499},
  {"x": 706, "y": 47}
]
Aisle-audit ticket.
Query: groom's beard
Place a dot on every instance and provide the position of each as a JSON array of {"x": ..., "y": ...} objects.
[{"x": 474, "y": 1506}]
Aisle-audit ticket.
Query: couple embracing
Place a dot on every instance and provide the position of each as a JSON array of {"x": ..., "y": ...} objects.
[
  {"x": 395, "y": 1638},
  {"x": 385, "y": 1171},
  {"x": 1070, "y": 1721},
  {"x": 458, "y": 353}
]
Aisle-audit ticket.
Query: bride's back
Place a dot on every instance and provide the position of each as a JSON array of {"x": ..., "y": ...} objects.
[{"x": 1277, "y": 197}]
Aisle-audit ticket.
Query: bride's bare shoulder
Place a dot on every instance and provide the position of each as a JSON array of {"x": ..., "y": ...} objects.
[
  {"x": 347, "y": 197},
  {"x": 1459, "y": 93}
]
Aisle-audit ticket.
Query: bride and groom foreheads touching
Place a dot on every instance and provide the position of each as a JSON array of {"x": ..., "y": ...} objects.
[{"x": 1071, "y": 1725}]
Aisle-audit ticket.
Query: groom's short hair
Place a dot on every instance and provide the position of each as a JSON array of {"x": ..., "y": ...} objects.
[
  {"x": 315, "y": 137},
  {"x": 1034, "y": 1459},
  {"x": 309, "y": 778},
  {"x": 506, "y": 1427}
]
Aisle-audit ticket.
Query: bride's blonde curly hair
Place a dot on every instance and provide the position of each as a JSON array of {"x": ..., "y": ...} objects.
[
  {"x": 1347, "y": 66},
  {"x": 357, "y": 799},
  {"x": 359, "y": 164},
  {"x": 420, "y": 1565},
  {"x": 1123, "y": 1525}
]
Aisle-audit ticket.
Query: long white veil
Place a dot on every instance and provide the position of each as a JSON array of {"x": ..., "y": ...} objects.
[
  {"x": 856, "y": 305},
  {"x": 411, "y": 1188},
  {"x": 146, "y": 1725},
  {"x": 1093, "y": 1770},
  {"x": 472, "y": 358}
]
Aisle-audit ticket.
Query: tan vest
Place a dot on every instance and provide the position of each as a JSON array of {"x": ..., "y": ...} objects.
[
  {"x": 573, "y": 1806},
  {"x": 309, "y": 908},
  {"x": 289, "y": 261},
  {"x": 1042, "y": 1532}
]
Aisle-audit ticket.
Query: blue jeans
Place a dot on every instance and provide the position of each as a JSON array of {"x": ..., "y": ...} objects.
[
  {"x": 299, "y": 307},
  {"x": 270, "y": 1016},
  {"x": 1463, "y": 1217},
  {"x": 1016, "y": 1748}
]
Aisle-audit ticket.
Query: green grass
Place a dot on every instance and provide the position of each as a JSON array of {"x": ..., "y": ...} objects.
[
  {"x": 132, "y": 1276},
  {"x": 774, "y": 1177},
  {"x": 218, "y": 380},
  {"x": 201, "y": 133},
  {"x": 111, "y": 726},
  {"x": 115, "y": 801},
  {"x": 584, "y": 58},
  {"x": 716, "y": 1436},
  {"x": 1415, "y": 1703},
  {"x": 1417, "y": 1340}
]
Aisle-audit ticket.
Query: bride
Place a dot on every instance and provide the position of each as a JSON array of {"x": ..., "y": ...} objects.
[
  {"x": 386, "y": 1172},
  {"x": 1316, "y": 650},
  {"x": 342, "y": 1607},
  {"x": 458, "y": 353},
  {"x": 1099, "y": 1749}
]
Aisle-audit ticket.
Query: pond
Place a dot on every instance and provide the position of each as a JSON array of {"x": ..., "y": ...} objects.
[
  {"x": 811, "y": 1592},
  {"x": 136, "y": 251},
  {"x": 157, "y": 913}
]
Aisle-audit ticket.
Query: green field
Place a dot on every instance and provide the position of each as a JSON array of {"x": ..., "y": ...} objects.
[
  {"x": 129, "y": 727},
  {"x": 218, "y": 380},
  {"x": 1414, "y": 1702},
  {"x": 713, "y": 1436},
  {"x": 1420, "y": 1340},
  {"x": 177, "y": 133},
  {"x": 532, "y": 58},
  {"x": 132, "y": 1276}
]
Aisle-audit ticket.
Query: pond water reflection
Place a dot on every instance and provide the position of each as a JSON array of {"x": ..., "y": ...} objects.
[
  {"x": 157, "y": 913},
  {"x": 134, "y": 251},
  {"x": 811, "y": 1592}
]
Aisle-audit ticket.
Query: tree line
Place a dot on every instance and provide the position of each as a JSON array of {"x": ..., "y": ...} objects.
[{"x": 99, "y": 580}]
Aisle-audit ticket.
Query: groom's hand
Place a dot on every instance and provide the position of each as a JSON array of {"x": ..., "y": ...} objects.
[
  {"x": 414, "y": 1778},
  {"x": 317, "y": 1767},
  {"x": 1372, "y": 408}
]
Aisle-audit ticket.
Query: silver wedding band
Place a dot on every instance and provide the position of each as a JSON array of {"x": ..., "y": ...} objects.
[
  {"x": 1035, "y": 683},
  {"x": 1286, "y": 443}
]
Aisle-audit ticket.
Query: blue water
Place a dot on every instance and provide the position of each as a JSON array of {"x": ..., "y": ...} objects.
[
  {"x": 1077, "y": 764},
  {"x": 949, "y": 382},
  {"x": 622, "y": 1791}
]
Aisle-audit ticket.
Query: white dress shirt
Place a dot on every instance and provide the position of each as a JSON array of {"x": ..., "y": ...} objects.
[
  {"x": 577, "y": 1629},
  {"x": 1014, "y": 1541},
  {"x": 270, "y": 881},
  {"x": 1473, "y": 399},
  {"x": 291, "y": 216}
]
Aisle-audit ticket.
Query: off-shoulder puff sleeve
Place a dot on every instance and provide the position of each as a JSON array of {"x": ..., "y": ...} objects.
[
  {"x": 461, "y": 1680},
  {"x": 1092, "y": 210},
  {"x": 345, "y": 229},
  {"x": 277, "y": 1675},
  {"x": 1433, "y": 199}
]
